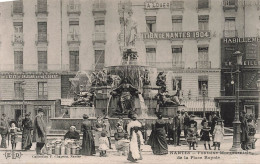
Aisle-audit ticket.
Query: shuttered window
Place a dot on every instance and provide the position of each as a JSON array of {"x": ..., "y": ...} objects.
[
  {"x": 151, "y": 56},
  {"x": 18, "y": 60},
  {"x": 18, "y": 7},
  {"x": 42, "y": 31},
  {"x": 177, "y": 23},
  {"x": 99, "y": 25},
  {"x": 203, "y": 21},
  {"x": 42, "y": 90},
  {"x": 151, "y": 23},
  {"x": 202, "y": 80},
  {"x": 42, "y": 60},
  {"x": 203, "y": 53},
  {"x": 203, "y": 4},
  {"x": 176, "y": 55},
  {"x": 18, "y": 92},
  {"x": 42, "y": 6},
  {"x": 99, "y": 59},
  {"x": 74, "y": 60}
]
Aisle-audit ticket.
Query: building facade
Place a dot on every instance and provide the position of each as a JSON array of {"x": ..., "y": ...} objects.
[{"x": 45, "y": 43}]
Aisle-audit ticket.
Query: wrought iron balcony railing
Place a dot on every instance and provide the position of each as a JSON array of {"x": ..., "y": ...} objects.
[
  {"x": 230, "y": 5},
  {"x": 18, "y": 39},
  {"x": 230, "y": 33},
  {"x": 203, "y": 64},
  {"x": 41, "y": 10},
  {"x": 73, "y": 38},
  {"x": 99, "y": 37},
  {"x": 41, "y": 39},
  {"x": 74, "y": 9}
]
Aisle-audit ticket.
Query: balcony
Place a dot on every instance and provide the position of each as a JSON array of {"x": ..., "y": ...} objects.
[
  {"x": 99, "y": 37},
  {"x": 74, "y": 9},
  {"x": 230, "y": 5},
  {"x": 177, "y": 6},
  {"x": 203, "y": 64},
  {"x": 17, "y": 11},
  {"x": 230, "y": 33},
  {"x": 166, "y": 65},
  {"x": 41, "y": 11},
  {"x": 34, "y": 67},
  {"x": 179, "y": 64},
  {"x": 18, "y": 39},
  {"x": 99, "y": 8},
  {"x": 41, "y": 39},
  {"x": 73, "y": 39}
]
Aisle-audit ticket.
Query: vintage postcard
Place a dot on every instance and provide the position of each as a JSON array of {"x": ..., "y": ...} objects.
[{"x": 129, "y": 81}]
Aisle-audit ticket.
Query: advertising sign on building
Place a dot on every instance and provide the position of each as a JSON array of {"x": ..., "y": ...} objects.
[
  {"x": 175, "y": 35},
  {"x": 156, "y": 5},
  {"x": 251, "y": 50},
  {"x": 29, "y": 76}
]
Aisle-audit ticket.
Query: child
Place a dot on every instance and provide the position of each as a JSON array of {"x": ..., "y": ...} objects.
[
  {"x": 13, "y": 133},
  {"x": 121, "y": 142},
  {"x": 103, "y": 145},
  {"x": 192, "y": 136},
  {"x": 205, "y": 135},
  {"x": 107, "y": 129},
  {"x": 218, "y": 134},
  {"x": 144, "y": 129}
]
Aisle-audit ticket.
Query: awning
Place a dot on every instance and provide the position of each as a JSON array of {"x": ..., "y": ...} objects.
[{"x": 197, "y": 106}]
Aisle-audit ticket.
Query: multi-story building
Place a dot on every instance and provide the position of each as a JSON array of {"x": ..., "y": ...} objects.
[
  {"x": 241, "y": 33},
  {"x": 45, "y": 43}
]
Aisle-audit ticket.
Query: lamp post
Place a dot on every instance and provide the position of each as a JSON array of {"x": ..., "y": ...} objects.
[
  {"x": 258, "y": 117},
  {"x": 23, "y": 88},
  {"x": 204, "y": 90},
  {"x": 236, "y": 123}
]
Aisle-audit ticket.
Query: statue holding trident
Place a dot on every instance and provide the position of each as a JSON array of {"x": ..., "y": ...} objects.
[{"x": 130, "y": 30}]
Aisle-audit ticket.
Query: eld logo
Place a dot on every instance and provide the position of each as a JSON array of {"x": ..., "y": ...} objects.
[{"x": 12, "y": 155}]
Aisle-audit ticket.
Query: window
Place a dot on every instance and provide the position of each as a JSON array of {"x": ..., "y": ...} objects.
[
  {"x": 176, "y": 83},
  {"x": 18, "y": 27},
  {"x": 230, "y": 27},
  {"x": 99, "y": 59},
  {"x": 18, "y": 90},
  {"x": 176, "y": 56},
  {"x": 18, "y": 60},
  {"x": 151, "y": 56},
  {"x": 203, "y": 58},
  {"x": 203, "y": 4},
  {"x": 18, "y": 7},
  {"x": 74, "y": 60},
  {"x": 74, "y": 30},
  {"x": 151, "y": 23},
  {"x": 46, "y": 111},
  {"x": 42, "y": 90},
  {"x": 42, "y": 60},
  {"x": 203, "y": 80},
  {"x": 177, "y": 5},
  {"x": 99, "y": 25},
  {"x": 42, "y": 6},
  {"x": 42, "y": 31},
  {"x": 203, "y": 22},
  {"x": 177, "y": 23}
]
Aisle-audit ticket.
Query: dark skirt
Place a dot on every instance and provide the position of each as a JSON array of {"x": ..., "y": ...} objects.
[
  {"x": 205, "y": 138},
  {"x": 158, "y": 141},
  {"x": 26, "y": 139},
  {"x": 88, "y": 144}
]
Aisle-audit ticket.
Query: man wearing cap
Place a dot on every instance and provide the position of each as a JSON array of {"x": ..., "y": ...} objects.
[
  {"x": 39, "y": 132},
  {"x": 4, "y": 129}
]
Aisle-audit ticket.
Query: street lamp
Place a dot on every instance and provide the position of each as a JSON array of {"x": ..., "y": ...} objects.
[
  {"x": 236, "y": 123},
  {"x": 204, "y": 90},
  {"x": 23, "y": 88},
  {"x": 258, "y": 117}
]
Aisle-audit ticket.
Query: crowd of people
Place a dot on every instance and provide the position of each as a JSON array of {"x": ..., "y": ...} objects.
[{"x": 131, "y": 134}]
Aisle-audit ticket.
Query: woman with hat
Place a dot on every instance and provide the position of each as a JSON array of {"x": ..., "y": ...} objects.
[
  {"x": 218, "y": 134},
  {"x": 157, "y": 139},
  {"x": 136, "y": 139},
  {"x": 88, "y": 145},
  {"x": 27, "y": 128}
]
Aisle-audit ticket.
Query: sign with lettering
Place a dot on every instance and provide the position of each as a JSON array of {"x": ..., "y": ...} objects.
[
  {"x": 241, "y": 40},
  {"x": 29, "y": 76},
  {"x": 175, "y": 35},
  {"x": 251, "y": 50},
  {"x": 157, "y": 5}
]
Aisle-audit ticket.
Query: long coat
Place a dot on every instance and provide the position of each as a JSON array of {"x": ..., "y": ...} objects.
[
  {"x": 39, "y": 130},
  {"x": 4, "y": 126}
]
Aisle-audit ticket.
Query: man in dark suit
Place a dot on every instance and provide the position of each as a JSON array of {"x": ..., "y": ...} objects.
[
  {"x": 39, "y": 133},
  {"x": 213, "y": 123},
  {"x": 177, "y": 128},
  {"x": 4, "y": 129}
]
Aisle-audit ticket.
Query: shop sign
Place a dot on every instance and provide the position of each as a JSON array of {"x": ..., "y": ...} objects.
[
  {"x": 29, "y": 76},
  {"x": 241, "y": 40},
  {"x": 251, "y": 63},
  {"x": 175, "y": 35},
  {"x": 156, "y": 5},
  {"x": 251, "y": 51}
]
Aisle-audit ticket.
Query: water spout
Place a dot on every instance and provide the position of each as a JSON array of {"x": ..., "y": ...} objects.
[
  {"x": 108, "y": 103},
  {"x": 144, "y": 108}
]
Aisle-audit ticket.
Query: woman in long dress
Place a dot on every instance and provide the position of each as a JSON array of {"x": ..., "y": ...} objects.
[
  {"x": 98, "y": 130},
  {"x": 88, "y": 145},
  {"x": 27, "y": 128},
  {"x": 218, "y": 134},
  {"x": 157, "y": 139},
  {"x": 136, "y": 139}
]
